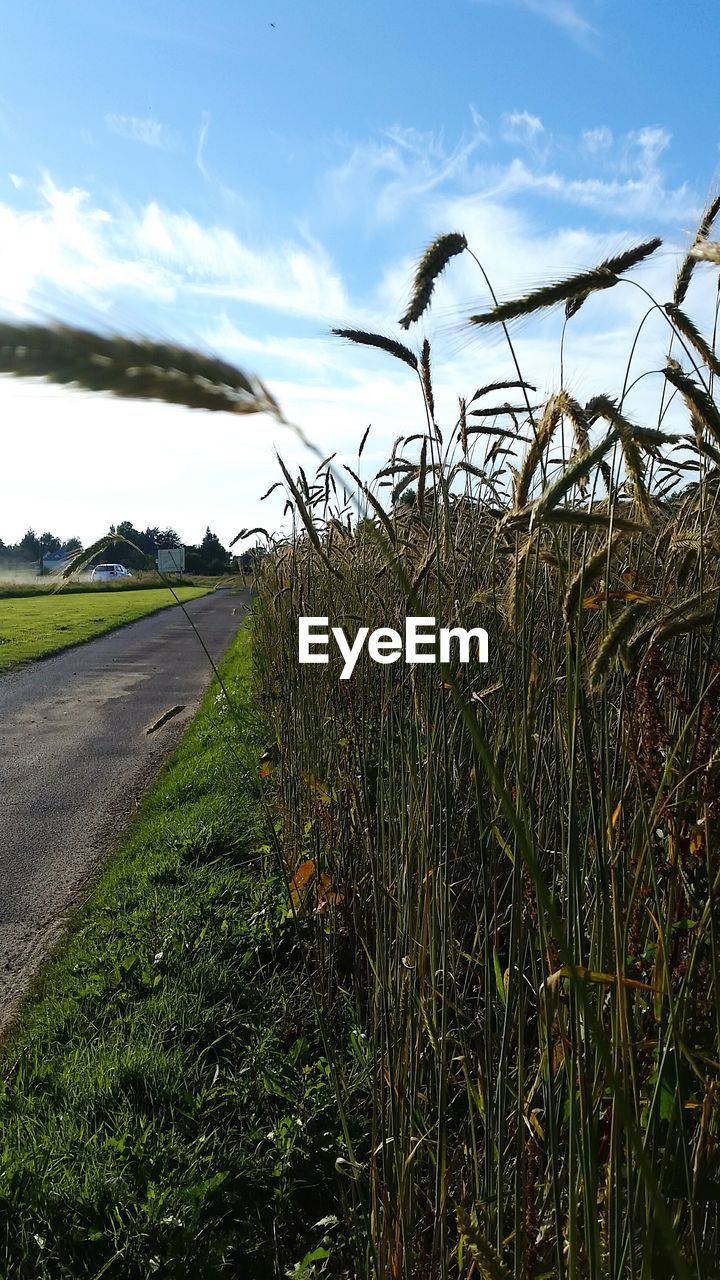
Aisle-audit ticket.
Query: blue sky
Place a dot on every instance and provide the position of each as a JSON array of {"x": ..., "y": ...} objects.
[{"x": 244, "y": 176}]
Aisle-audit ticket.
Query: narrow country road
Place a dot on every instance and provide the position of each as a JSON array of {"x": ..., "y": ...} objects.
[{"x": 75, "y": 757}]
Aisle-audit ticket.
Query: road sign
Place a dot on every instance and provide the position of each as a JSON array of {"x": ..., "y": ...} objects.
[{"x": 171, "y": 560}]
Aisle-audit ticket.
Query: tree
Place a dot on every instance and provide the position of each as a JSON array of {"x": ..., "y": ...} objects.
[
  {"x": 209, "y": 557},
  {"x": 29, "y": 545},
  {"x": 167, "y": 538},
  {"x": 144, "y": 544},
  {"x": 49, "y": 543},
  {"x": 139, "y": 553}
]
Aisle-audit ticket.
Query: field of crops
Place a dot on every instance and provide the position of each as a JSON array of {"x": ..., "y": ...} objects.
[{"x": 513, "y": 869}]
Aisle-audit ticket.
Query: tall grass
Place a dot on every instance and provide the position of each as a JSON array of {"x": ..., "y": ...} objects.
[
  {"x": 516, "y": 867},
  {"x": 509, "y": 874}
]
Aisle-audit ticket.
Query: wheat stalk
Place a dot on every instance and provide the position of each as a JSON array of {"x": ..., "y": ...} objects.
[
  {"x": 574, "y": 288},
  {"x": 433, "y": 262},
  {"x": 393, "y": 348},
  {"x": 697, "y": 250},
  {"x": 703, "y": 409},
  {"x": 689, "y": 330},
  {"x": 542, "y": 438},
  {"x": 588, "y": 570},
  {"x": 616, "y": 638},
  {"x": 426, "y": 379}
]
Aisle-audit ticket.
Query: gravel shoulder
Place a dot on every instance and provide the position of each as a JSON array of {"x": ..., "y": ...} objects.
[{"x": 75, "y": 758}]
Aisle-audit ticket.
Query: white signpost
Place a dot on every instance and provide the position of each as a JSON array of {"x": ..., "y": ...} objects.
[{"x": 171, "y": 560}]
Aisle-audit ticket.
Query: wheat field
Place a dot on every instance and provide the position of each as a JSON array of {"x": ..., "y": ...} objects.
[{"x": 513, "y": 876}]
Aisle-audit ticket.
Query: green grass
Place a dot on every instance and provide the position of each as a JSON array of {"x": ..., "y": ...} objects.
[
  {"x": 165, "y": 1108},
  {"x": 33, "y": 627},
  {"x": 15, "y": 585}
]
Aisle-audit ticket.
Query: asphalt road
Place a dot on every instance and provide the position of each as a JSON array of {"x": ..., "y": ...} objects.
[{"x": 75, "y": 758}]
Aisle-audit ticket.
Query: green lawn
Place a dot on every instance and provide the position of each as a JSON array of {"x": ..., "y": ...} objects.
[
  {"x": 32, "y": 627},
  {"x": 166, "y": 1108}
]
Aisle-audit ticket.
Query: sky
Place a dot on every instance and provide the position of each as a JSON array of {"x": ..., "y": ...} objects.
[{"x": 241, "y": 177}]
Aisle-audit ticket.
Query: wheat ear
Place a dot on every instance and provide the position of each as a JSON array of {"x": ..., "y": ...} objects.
[
  {"x": 485, "y": 1256},
  {"x": 579, "y": 466},
  {"x": 433, "y": 262},
  {"x": 616, "y": 639},
  {"x": 695, "y": 251},
  {"x": 574, "y": 288},
  {"x": 588, "y": 570},
  {"x": 393, "y": 348},
  {"x": 125, "y": 367},
  {"x": 542, "y": 438},
  {"x": 707, "y": 251},
  {"x": 426, "y": 380},
  {"x": 703, "y": 410},
  {"x": 689, "y": 330}
]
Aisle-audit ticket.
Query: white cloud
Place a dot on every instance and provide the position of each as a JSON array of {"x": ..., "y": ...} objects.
[
  {"x": 68, "y": 246},
  {"x": 213, "y": 261},
  {"x": 200, "y": 148},
  {"x": 643, "y": 195},
  {"x": 597, "y": 140},
  {"x": 648, "y": 145},
  {"x": 521, "y": 126},
  {"x": 299, "y": 354},
  {"x": 402, "y": 169},
  {"x": 71, "y": 246},
  {"x": 407, "y": 171},
  {"x": 17, "y": 181},
  {"x": 145, "y": 129},
  {"x": 563, "y": 13}
]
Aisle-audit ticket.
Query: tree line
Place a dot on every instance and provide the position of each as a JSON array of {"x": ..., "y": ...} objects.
[{"x": 138, "y": 552}]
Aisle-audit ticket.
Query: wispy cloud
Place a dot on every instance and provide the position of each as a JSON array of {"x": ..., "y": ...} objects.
[
  {"x": 561, "y": 13},
  {"x": 145, "y": 129},
  {"x": 522, "y": 126},
  {"x": 408, "y": 170},
  {"x": 644, "y": 195},
  {"x": 229, "y": 195},
  {"x": 68, "y": 244},
  {"x": 402, "y": 167},
  {"x": 295, "y": 277},
  {"x": 200, "y": 148},
  {"x": 71, "y": 247},
  {"x": 596, "y": 141}
]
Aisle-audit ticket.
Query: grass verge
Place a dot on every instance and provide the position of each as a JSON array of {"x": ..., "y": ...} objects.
[
  {"x": 165, "y": 1108},
  {"x": 36, "y": 626},
  {"x": 15, "y": 585}
]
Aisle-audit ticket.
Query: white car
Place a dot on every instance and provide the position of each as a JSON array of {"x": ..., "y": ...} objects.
[{"x": 102, "y": 572}]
